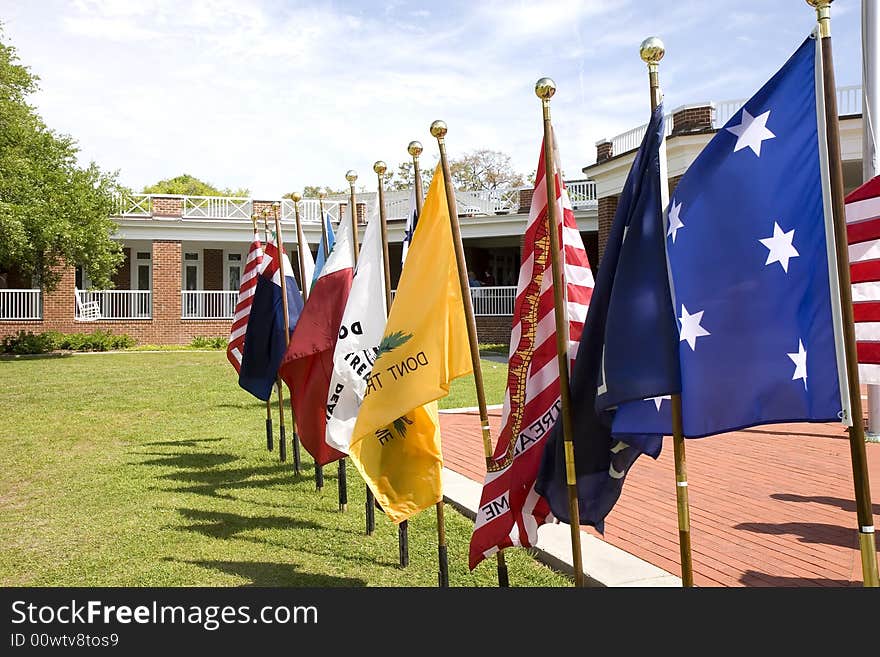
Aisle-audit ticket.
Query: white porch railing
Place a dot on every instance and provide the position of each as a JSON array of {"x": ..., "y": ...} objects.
[
  {"x": 21, "y": 304},
  {"x": 216, "y": 207},
  {"x": 115, "y": 304},
  {"x": 309, "y": 210},
  {"x": 208, "y": 304},
  {"x": 582, "y": 193},
  {"x": 494, "y": 300},
  {"x": 132, "y": 205}
]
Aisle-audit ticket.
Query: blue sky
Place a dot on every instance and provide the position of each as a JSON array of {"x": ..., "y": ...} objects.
[{"x": 273, "y": 95}]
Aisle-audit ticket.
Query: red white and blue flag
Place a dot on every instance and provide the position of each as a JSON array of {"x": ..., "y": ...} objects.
[
  {"x": 308, "y": 364},
  {"x": 510, "y": 509},
  {"x": 235, "y": 347},
  {"x": 863, "y": 235},
  {"x": 265, "y": 340}
]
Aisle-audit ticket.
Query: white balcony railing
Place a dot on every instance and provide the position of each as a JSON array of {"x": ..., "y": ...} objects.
[
  {"x": 21, "y": 304},
  {"x": 849, "y": 102},
  {"x": 494, "y": 300},
  {"x": 309, "y": 210},
  {"x": 113, "y": 304},
  {"x": 216, "y": 207},
  {"x": 208, "y": 304},
  {"x": 582, "y": 193}
]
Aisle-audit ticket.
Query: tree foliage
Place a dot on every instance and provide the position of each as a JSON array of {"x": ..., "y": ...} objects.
[
  {"x": 188, "y": 185},
  {"x": 314, "y": 191},
  {"x": 484, "y": 170},
  {"x": 52, "y": 211}
]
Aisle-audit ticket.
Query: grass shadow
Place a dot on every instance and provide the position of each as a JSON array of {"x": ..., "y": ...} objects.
[
  {"x": 193, "y": 461},
  {"x": 10, "y": 358},
  {"x": 334, "y": 555},
  {"x": 217, "y": 524},
  {"x": 186, "y": 442},
  {"x": 261, "y": 573}
]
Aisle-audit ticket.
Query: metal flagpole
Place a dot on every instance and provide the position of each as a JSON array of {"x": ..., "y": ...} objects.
[
  {"x": 415, "y": 149},
  {"x": 651, "y": 52},
  {"x": 282, "y": 440},
  {"x": 544, "y": 89},
  {"x": 351, "y": 177},
  {"x": 870, "y": 140},
  {"x": 867, "y": 542},
  {"x": 296, "y": 197},
  {"x": 269, "y": 445},
  {"x": 438, "y": 131},
  {"x": 402, "y": 527},
  {"x": 269, "y": 442}
]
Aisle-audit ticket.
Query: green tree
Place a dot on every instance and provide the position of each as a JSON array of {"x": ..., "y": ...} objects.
[
  {"x": 484, "y": 170},
  {"x": 187, "y": 185},
  {"x": 314, "y": 191},
  {"x": 52, "y": 211}
]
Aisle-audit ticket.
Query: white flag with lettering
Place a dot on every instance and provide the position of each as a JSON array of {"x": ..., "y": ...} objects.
[{"x": 363, "y": 324}]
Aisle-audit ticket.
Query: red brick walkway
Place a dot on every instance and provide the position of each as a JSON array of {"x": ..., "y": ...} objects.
[{"x": 770, "y": 506}]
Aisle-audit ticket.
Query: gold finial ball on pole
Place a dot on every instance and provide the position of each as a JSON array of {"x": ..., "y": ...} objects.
[
  {"x": 652, "y": 50},
  {"x": 380, "y": 168},
  {"x": 351, "y": 176},
  {"x": 545, "y": 88},
  {"x": 414, "y": 148},
  {"x": 296, "y": 196},
  {"x": 438, "y": 129},
  {"x": 819, "y": 4}
]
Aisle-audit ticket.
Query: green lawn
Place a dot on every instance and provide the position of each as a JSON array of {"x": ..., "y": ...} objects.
[{"x": 151, "y": 469}]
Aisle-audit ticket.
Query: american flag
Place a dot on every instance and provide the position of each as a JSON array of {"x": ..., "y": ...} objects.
[
  {"x": 863, "y": 235},
  {"x": 510, "y": 509},
  {"x": 235, "y": 348}
]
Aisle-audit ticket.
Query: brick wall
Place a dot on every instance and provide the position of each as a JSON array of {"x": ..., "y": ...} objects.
[
  {"x": 693, "y": 119},
  {"x": 493, "y": 329},
  {"x": 607, "y": 208},
  {"x": 213, "y": 269},
  {"x": 167, "y": 207},
  {"x": 525, "y": 199},
  {"x": 603, "y": 151},
  {"x": 259, "y": 206},
  {"x": 122, "y": 277}
]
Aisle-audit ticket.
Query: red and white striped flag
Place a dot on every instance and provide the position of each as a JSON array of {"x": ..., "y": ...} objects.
[
  {"x": 510, "y": 510},
  {"x": 863, "y": 236},
  {"x": 235, "y": 347}
]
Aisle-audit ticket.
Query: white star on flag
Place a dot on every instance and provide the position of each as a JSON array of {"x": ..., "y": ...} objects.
[
  {"x": 800, "y": 364},
  {"x": 781, "y": 248},
  {"x": 690, "y": 327},
  {"x": 658, "y": 400},
  {"x": 751, "y": 131},
  {"x": 675, "y": 221}
]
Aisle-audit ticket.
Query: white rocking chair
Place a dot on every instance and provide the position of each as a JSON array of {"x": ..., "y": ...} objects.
[{"x": 88, "y": 311}]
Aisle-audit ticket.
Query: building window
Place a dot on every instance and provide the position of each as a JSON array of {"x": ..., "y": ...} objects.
[
  {"x": 234, "y": 257},
  {"x": 190, "y": 256},
  {"x": 143, "y": 255}
]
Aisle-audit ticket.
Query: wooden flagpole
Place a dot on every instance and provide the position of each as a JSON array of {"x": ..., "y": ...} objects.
[
  {"x": 296, "y": 197},
  {"x": 415, "y": 149},
  {"x": 652, "y": 51},
  {"x": 864, "y": 512},
  {"x": 402, "y": 527},
  {"x": 351, "y": 177},
  {"x": 282, "y": 440},
  {"x": 544, "y": 89},
  {"x": 438, "y": 131},
  {"x": 269, "y": 445},
  {"x": 269, "y": 441}
]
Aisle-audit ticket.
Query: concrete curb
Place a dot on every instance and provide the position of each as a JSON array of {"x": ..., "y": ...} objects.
[{"x": 603, "y": 564}]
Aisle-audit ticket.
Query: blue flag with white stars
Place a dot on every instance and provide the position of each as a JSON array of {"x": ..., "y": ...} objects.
[{"x": 748, "y": 247}]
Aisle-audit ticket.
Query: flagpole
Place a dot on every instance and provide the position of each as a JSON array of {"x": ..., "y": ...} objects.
[
  {"x": 867, "y": 544},
  {"x": 280, "y": 243},
  {"x": 325, "y": 247},
  {"x": 351, "y": 177},
  {"x": 269, "y": 442},
  {"x": 282, "y": 441},
  {"x": 415, "y": 149},
  {"x": 438, "y": 131},
  {"x": 652, "y": 51},
  {"x": 544, "y": 89},
  {"x": 269, "y": 445},
  {"x": 296, "y": 197},
  {"x": 402, "y": 527}
]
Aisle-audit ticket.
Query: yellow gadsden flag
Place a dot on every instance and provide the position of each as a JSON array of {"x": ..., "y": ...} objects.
[{"x": 396, "y": 440}]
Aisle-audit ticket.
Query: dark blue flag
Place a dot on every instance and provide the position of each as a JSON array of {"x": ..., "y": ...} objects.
[
  {"x": 749, "y": 250},
  {"x": 264, "y": 340},
  {"x": 628, "y": 349}
]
